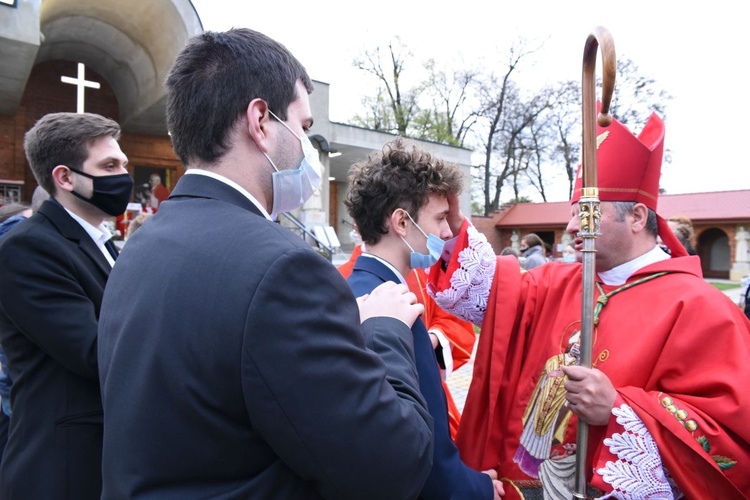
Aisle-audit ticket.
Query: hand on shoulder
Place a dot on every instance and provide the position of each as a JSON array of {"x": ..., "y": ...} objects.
[{"x": 390, "y": 300}]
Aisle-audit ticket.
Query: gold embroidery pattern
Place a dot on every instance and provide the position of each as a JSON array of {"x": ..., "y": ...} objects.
[
  {"x": 603, "y": 356},
  {"x": 691, "y": 425}
]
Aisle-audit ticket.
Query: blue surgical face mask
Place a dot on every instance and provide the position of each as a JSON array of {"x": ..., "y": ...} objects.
[
  {"x": 434, "y": 248},
  {"x": 569, "y": 258},
  {"x": 293, "y": 187}
]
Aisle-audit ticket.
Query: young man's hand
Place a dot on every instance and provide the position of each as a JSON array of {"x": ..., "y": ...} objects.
[{"x": 391, "y": 300}]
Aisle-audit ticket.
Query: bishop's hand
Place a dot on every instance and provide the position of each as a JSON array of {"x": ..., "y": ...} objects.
[
  {"x": 590, "y": 394},
  {"x": 455, "y": 216}
]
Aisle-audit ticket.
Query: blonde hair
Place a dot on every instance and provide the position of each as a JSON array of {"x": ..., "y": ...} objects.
[
  {"x": 684, "y": 226},
  {"x": 137, "y": 222}
]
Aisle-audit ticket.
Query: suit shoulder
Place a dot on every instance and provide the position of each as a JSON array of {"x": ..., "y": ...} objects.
[{"x": 33, "y": 233}]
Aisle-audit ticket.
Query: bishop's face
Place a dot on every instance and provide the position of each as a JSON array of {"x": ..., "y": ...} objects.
[{"x": 614, "y": 245}]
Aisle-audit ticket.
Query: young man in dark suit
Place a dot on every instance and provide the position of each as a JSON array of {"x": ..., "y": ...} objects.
[
  {"x": 398, "y": 199},
  {"x": 53, "y": 268},
  {"x": 239, "y": 368}
]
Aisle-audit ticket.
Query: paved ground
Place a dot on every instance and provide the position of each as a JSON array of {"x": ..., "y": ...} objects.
[{"x": 459, "y": 381}]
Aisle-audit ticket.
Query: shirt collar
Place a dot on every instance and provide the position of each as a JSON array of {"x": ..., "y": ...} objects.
[
  {"x": 386, "y": 264},
  {"x": 100, "y": 234},
  {"x": 231, "y": 183},
  {"x": 620, "y": 274}
]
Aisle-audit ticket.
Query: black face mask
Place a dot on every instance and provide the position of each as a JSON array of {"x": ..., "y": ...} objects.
[{"x": 111, "y": 192}]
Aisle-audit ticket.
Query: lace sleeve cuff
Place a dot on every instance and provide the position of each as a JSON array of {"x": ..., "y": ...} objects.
[
  {"x": 637, "y": 470},
  {"x": 471, "y": 272}
]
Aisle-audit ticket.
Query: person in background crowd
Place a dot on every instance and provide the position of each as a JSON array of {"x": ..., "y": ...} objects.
[
  {"x": 136, "y": 223},
  {"x": 14, "y": 215},
  {"x": 569, "y": 254},
  {"x": 38, "y": 197},
  {"x": 682, "y": 227},
  {"x": 533, "y": 250},
  {"x": 511, "y": 251},
  {"x": 745, "y": 295},
  {"x": 10, "y": 215}
]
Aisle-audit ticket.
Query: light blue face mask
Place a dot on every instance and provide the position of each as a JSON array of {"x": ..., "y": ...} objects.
[
  {"x": 569, "y": 258},
  {"x": 435, "y": 247},
  {"x": 293, "y": 187}
]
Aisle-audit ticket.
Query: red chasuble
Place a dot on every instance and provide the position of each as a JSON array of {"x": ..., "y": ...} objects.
[{"x": 676, "y": 350}]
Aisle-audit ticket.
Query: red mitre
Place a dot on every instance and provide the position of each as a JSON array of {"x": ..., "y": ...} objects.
[{"x": 629, "y": 168}]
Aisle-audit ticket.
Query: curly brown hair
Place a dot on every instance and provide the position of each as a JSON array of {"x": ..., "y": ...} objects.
[{"x": 402, "y": 175}]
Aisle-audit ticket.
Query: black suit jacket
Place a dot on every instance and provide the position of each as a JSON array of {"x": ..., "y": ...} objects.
[
  {"x": 233, "y": 365},
  {"x": 449, "y": 478},
  {"x": 52, "y": 278}
]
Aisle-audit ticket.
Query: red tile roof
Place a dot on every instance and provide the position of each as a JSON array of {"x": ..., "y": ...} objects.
[{"x": 726, "y": 206}]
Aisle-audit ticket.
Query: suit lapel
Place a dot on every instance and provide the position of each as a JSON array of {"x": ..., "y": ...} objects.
[{"x": 70, "y": 229}]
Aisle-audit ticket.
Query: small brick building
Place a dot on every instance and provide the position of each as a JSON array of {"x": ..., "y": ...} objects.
[{"x": 721, "y": 221}]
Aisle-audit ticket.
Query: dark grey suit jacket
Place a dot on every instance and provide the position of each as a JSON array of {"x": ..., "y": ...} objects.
[
  {"x": 233, "y": 365},
  {"x": 52, "y": 278}
]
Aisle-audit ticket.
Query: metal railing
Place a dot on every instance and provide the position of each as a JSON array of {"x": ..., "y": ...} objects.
[{"x": 324, "y": 248}]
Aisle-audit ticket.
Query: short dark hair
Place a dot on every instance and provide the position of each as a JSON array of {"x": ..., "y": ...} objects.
[
  {"x": 64, "y": 139},
  {"x": 623, "y": 208},
  {"x": 213, "y": 80},
  {"x": 402, "y": 175},
  {"x": 510, "y": 251},
  {"x": 40, "y": 196}
]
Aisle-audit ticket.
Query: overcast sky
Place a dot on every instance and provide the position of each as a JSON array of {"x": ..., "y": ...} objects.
[{"x": 698, "y": 55}]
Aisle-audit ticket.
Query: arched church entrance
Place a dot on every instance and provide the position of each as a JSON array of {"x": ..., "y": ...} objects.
[
  {"x": 98, "y": 56},
  {"x": 713, "y": 248}
]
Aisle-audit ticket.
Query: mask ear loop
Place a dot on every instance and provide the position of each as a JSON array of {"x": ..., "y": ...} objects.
[
  {"x": 415, "y": 224},
  {"x": 270, "y": 161},
  {"x": 285, "y": 125}
]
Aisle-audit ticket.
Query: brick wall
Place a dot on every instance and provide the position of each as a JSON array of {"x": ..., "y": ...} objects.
[
  {"x": 486, "y": 226},
  {"x": 45, "y": 93}
]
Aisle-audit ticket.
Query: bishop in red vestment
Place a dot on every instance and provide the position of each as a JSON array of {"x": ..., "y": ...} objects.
[
  {"x": 159, "y": 192},
  {"x": 667, "y": 401}
]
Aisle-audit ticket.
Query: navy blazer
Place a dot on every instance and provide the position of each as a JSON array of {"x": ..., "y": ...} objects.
[
  {"x": 450, "y": 478},
  {"x": 52, "y": 278},
  {"x": 233, "y": 365}
]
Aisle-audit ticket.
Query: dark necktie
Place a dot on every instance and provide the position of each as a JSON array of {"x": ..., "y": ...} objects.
[{"x": 110, "y": 246}]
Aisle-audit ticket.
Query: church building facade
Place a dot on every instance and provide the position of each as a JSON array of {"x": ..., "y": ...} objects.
[{"x": 112, "y": 58}]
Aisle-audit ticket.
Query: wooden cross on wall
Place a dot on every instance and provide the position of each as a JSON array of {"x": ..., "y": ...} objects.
[{"x": 81, "y": 83}]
